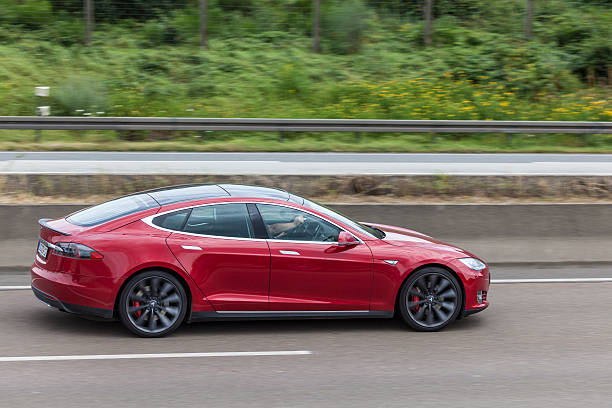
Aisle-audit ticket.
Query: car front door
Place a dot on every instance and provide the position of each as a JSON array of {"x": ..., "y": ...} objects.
[
  {"x": 216, "y": 245},
  {"x": 309, "y": 270}
]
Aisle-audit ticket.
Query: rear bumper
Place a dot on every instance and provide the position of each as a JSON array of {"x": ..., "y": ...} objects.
[
  {"x": 70, "y": 308},
  {"x": 91, "y": 296}
]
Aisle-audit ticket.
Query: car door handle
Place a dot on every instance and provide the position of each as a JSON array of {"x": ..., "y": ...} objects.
[
  {"x": 288, "y": 252},
  {"x": 191, "y": 247}
]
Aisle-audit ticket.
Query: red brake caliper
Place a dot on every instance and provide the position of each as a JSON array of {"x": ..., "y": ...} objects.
[
  {"x": 138, "y": 312},
  {"x": 416, "y": 299}
]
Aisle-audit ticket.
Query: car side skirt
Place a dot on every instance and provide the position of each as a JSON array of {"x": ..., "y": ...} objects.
[{"x": 290, "y": 315}]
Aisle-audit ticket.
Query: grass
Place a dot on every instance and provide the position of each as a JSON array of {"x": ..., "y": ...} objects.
[{"x": 294, "y": 142}]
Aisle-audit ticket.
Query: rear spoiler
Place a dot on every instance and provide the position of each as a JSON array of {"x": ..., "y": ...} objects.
[{"x": 43, "y": 223}]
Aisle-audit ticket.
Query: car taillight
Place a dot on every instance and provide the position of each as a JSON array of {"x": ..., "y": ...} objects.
[{"x": 79, "y": 251}]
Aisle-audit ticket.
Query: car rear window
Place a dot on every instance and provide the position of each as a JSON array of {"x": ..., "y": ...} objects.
[
  {"x": 111, "y": 210},
  {"x": 173, "y": 221}
]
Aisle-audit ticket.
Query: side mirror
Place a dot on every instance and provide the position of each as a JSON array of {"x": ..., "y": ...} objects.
[{"x": 346, "y": 239}]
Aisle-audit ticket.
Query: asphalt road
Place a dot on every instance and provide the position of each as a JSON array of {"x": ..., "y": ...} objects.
[
  {"x": 538, "y": 345},
  {"x": 303, "y": 163}
]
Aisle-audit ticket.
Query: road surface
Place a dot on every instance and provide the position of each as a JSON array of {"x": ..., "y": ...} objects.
[
  {"x": 538, "y": 345},
  {"x": 303, "y": 163}
]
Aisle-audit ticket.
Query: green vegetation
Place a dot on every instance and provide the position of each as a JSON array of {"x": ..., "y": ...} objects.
[
  {"x": 145, "y": 60},
  {"x": 295, "y": 142}
]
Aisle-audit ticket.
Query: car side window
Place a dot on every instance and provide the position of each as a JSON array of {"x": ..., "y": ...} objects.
[
  {"x": 172, "y": 221},
  {"x": 224, "y": 220},
  {"x": 291, "y": 224}
]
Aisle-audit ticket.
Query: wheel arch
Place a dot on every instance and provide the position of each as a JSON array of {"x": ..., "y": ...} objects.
[
  {"x": 172, "y": 272},
  {"x": 427, "y": 265}
]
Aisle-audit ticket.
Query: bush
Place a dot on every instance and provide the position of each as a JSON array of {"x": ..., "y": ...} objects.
[
  {"x": 31, "y": 14},
  {"x": 186, "y": 23},
  {"x": 66, "y": 31},
  {"x": 160, "y": 32},
  {"x": 7, "y": 36},
  {"x": 344, "y": 26},
  {"x": 293, "y": 81},
  {"x": 77, "y": 96},
  {"x": 595, "y": 56}
]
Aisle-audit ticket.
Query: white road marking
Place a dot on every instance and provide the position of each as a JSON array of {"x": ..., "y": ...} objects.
[
  {"x": 14, "y": 287},
  {"x": 147, "y": 356},
  {"x": 553, "y": 280}
]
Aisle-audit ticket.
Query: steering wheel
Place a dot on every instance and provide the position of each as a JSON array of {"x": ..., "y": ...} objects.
[{"x": 308, "y": 228}]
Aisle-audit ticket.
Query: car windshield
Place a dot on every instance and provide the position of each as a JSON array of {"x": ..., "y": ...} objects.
[
  {"x": 375, "y": 232},
  {"x": 112, "y": 210}
]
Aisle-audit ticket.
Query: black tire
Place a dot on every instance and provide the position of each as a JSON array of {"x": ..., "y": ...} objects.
[
  {"x": 157, "y": 294},
  {"x": 430, "y": 299}
]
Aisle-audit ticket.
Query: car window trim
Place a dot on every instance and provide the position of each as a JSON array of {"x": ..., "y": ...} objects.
[
  {"x": 149, "y": 221},
  {"x": 308, "y": 212},
  {"x": 259, "y": 226}
]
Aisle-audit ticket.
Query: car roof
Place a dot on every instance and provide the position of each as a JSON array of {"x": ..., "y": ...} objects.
[{"x": 193, "y": 192}]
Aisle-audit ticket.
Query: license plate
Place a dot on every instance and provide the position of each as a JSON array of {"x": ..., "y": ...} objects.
[{"x": 42, "y": 250}]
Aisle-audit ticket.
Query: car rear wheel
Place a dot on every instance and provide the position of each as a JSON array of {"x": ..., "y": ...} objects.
[
  {"x": 153, "y": 304},
  {"x": 430, "y": 299}
]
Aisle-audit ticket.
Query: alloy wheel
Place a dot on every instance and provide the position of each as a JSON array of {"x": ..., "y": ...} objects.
[
  {"x": 154, "y": 304},
  {"x": 432, "y": 300}
]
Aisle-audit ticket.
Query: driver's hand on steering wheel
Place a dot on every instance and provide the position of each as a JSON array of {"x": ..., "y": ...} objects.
[{"x": 299, "y": 220}]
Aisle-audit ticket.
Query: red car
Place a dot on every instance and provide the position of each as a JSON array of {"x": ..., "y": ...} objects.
[{"x": 204, "y": 252}]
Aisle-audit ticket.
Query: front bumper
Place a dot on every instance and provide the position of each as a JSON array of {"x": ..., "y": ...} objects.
[
  {"x": 468, "y": 312},
  {"x": 473, "y": 282}
]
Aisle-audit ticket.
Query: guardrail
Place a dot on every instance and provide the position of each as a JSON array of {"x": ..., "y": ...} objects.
[{"x": 301, "y": 125}]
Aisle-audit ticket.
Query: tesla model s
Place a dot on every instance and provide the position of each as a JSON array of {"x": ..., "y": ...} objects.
[{"x": 159, "y": 258}]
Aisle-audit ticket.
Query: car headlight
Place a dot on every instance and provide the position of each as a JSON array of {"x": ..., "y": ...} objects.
[{"x": 473, "y": 263}]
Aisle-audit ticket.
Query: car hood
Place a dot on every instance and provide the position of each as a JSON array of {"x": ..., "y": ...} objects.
[{"x": 398, "y": 236}]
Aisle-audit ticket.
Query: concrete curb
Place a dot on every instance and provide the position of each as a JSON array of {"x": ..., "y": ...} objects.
[{"x": 501, "y": 234}]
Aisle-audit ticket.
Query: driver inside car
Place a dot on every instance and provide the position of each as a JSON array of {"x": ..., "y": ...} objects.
[{"x": 280, "y": 229}]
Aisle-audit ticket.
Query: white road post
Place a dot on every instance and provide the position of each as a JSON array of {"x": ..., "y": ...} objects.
[{"x": 41, "y": 92}]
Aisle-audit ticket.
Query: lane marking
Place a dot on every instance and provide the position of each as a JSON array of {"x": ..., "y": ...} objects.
[
  {"x": 14, "y": 287},
  {"x": 148, "y": 356},
  {"x": 553, "y": 280}
]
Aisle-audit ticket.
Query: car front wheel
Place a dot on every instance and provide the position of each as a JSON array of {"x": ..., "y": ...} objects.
[
  {"x": 153, "y": 304},
  {"x": 430, "y": 299}
]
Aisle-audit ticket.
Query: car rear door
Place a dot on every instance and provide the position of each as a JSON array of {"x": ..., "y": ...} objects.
[
  {"x": 309, "y": 271},
  {"x": 218, "y": 248}
]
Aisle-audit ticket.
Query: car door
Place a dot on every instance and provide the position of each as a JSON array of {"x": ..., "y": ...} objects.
[
  {"x": 217, "y": 246},
  {"x": 309, "y": 271}
]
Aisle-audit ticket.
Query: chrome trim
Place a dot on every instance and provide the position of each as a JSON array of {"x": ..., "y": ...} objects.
[
  {"x": 40, "y": 260},
  {"x": 288, "y": 252},
  {"x": 149, "y": 221},
  {"x": 348, "y": 243},
  {"x": 191, "y": 247},
  {"x": 290, "y": 311},
  {"x": 390, "y": 262},
  {"x": 51, "y": 246}
]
